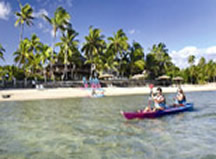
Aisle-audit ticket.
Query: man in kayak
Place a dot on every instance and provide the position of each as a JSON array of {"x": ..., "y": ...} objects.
[
  {"x": 159, "y": 100},
  {"x": 180, "y": 97}
]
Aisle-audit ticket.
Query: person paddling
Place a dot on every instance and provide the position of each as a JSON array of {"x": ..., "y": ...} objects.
[
  {"x": 180, "y": 97},
  {"x": 159, "y": 100}
]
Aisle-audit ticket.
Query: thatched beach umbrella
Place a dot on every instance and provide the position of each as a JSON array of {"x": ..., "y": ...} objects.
[
  {"x": 106, "y": 76},
  {"x": 178, "y": 78},
  {"x": 164, "y": 77},
  {"x": 138, "y": 76}
]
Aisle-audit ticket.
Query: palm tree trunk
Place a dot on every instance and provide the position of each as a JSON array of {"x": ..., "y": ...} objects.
[
  {"x": 14, "y": 82},
  {"x": 91, "y": 70},
  {"x": 65, "y": 67},
  {"x": 25, "y": 79},
  {"x": 51, "y": 64},
  {"x": 44, "y": 73},
  {"x": 72, "y": 71},
  {"x": 21, "y": 32},
  {"x": 2, "y": 81},
  {"x": 25, "y": 82}
]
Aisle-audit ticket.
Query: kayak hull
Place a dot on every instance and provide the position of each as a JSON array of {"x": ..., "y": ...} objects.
[{"x": 152, "y": 115}]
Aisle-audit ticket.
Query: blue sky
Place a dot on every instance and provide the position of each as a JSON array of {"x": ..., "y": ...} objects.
[{"x": 185, "y": 26}]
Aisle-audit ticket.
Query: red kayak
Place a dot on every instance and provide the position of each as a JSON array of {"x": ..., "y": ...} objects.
[{"x": 167, "y": 111}]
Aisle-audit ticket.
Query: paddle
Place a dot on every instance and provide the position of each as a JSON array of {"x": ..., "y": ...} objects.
[{"x": 151, "y": 86}]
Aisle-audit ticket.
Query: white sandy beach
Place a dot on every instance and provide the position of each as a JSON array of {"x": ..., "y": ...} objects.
[{"x": 58, "y": 93}]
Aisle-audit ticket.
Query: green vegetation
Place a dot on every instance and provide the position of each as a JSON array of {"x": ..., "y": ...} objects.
[
  {"x": 24, "y": 16},
  {"x": 59, "y": 21},
  {"x": 113, "y": 55},
  {"x": 2, "y": 50}
]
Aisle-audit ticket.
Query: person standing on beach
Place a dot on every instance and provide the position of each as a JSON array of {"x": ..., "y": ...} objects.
[{"x": 85, "y": 83}]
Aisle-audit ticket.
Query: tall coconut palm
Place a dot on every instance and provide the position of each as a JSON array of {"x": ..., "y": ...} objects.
[
  {"x": 2, "y": 50},
  {"x": 110, "y": 64},
  {"x": 45, "y": 55},
  {"x": 59, "y": 21},
  {"x": 137, "y": 62},
  {"x": 24, "y": 16},
  {"x": 93, "y": 46},
  {"x": 76, "y": 60},
  {"x": 35, "y": 44},
  {"x": 119, "y": 45},
  {"x": 35, "y": 49},
  {"x": 152, "y": 66},
  {"x": 22, "y": 56},
  {"x": 34, "y": 64},
  {"x": 161, "y": 58},
  {"x": 68, "y": 46},
  {"x": 191, "y": 59}
]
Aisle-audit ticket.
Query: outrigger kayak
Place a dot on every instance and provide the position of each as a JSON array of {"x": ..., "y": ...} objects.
[{"x": 167, "y": 111}]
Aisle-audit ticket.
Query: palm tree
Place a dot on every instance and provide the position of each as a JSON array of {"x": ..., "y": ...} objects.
[
  {"x": 119, "y": 45},
  {"x": 191, "y": 59},
  {"x": 93, "y": 46},
  {"x": 160, "y": 52},
  {"x": 137, "y": 62},
  {"x": 2, "y": 50},
  {"x": 158, "y": 61},
  {"x": 22, "y": 56},
  {"x": 34, "y": 64},
  {"x": 109, "y": 62},
  {"x": 35, "y": 44},
  {"x": 35, "y": 49},
  {"x": 152, "y": 66},
  {"x": 68, "y": 46},
  {"x": 45, "y": 55},
  {"x": 24, "y": 16},
  {"x": 59, "y": 21},
  {"x": 75, "y": 60}
]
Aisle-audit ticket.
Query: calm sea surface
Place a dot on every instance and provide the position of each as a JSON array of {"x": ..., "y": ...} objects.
[{"x": 93, "y": 128}]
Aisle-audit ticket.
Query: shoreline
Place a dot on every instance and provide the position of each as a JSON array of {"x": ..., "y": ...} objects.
[{"x": 61, "y": 93}]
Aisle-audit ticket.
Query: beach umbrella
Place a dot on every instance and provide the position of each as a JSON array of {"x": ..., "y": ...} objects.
[
  {"x": 178, "y": 78},
  {"x": 138, "y": 76},
  {"x": 164, "y": 77},
  {"x": 106, "y": 76}
]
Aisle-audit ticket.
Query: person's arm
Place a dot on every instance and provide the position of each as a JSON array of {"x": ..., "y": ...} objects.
[
  {"x": 180, "y": 97},
  {"x": 160, "y": 100},
  {"x": 152, "y": 95}
]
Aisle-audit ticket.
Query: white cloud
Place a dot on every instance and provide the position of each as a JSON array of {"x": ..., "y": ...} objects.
[
  {"x": 180, "y": 57},
  {"x": 211, "y": 50},
  {"x": 40, "y": 12},
  {"x": 132, "y": 31},
  {"x": 5, "y": 10}
]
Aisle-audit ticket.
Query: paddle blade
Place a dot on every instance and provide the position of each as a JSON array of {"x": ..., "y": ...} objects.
[{"x": 151, "y": 86}]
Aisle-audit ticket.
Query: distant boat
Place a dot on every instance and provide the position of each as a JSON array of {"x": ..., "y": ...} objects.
[{"x": 6, "y": 96}]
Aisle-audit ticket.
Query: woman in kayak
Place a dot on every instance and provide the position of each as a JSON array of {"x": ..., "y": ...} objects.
[
  {"x": 180, "y": 97},
  {"x": 159, "y": 100}
]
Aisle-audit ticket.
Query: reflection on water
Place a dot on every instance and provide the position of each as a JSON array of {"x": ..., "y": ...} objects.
[{"x": 93, "y": 128}]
